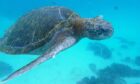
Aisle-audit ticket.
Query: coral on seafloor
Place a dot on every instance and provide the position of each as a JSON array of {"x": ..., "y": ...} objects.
[
  {"x": 92, "y": 67},
  {"x": 87, "y": 80},
  {"x": 100, "y": 50},
  {"x": 120, "y": 70},
  {"x": 102, "y": 80},
  {"x": 137, "y": 60},
  {"x": 5, "y": 69},
  {"x": 125, "y": 43},
  {"x": 113, "y": 74},
  {"x": 127, "y": 59}
]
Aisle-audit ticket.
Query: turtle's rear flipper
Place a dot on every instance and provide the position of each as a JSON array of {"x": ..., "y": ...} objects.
[{"x": 63, "y": 43}]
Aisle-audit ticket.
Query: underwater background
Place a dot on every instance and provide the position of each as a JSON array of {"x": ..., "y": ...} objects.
[{"x": 111, "y": 61}]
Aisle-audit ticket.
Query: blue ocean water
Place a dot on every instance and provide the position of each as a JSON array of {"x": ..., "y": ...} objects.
[{"x": 111, "y": 61}]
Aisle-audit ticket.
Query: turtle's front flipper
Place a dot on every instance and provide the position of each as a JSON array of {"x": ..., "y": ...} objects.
[{"x": 59, "y": 44}]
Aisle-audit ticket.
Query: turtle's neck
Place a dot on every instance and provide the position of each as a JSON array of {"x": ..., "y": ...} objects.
[
  {"x": 88, "y": 23},
  {"x": 78, "y": 26}
]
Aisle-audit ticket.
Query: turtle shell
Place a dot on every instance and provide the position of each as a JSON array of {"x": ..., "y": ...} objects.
[{"x": 31, "y": 30}]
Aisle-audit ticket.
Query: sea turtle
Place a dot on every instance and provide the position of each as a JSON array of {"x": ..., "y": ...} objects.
[{"x": 48, "y": 31}]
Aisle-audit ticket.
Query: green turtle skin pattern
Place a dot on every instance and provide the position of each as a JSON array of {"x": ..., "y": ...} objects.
[{"x": 35, "y": 29}]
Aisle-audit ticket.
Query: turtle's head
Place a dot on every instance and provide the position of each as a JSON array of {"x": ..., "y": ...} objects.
[{"x": 97, "y": 28}]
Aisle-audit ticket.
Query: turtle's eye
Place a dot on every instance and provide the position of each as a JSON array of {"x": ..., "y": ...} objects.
[{"x": 99, "y": 32}]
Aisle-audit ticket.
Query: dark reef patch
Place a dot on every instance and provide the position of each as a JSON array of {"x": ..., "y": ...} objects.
[
  {"x": 125, "y": 43},
  {"x": 5, "y": 69},
  {"x": 87, "y": 80},
  {"x": 137, "y": 60},
  {"x": 127, "y": 60},
  {"x": 100, "y": 50},
  {"x": 102, "y": 80},
  {"x": 92, "y": 67},
  {"x": 113, "y": 74},
  {"x": 120, "y": 70}
]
